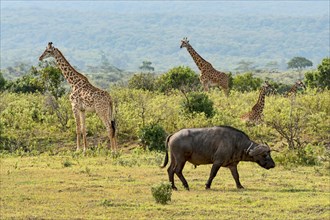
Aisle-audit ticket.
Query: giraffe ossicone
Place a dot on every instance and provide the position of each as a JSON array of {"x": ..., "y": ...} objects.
[{"x": 84, "y": 97}]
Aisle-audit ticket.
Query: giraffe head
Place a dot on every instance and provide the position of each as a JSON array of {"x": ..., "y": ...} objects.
[
  {"x": 184, "y": 42},
  {"x": 300, "y": 84},
  {"x": 267, "y": 87},
  {"x": 49, "y": 52}
]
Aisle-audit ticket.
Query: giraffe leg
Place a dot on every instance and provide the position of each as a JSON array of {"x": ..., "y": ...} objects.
[
  {"x": 76, "y": 114},
  {"x": 83, "y": 128},
  {"x": 204, "y": 83},
  {"x": 226, "y": 91},
  {"x": 110, "y": 126},
  {"x": 206, "y": 86}
]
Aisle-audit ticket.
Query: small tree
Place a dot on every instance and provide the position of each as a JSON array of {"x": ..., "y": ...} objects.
[
  {"x": 162, "y": 192},
  {"x": 245, "y": 66},
  {"x": 2, "y": 82},
  {"x": 144, "y": 81},
  {"x": 61, "y": 108},
  {"x": 146, "y": 66},
  {"x": 324, "y": 73},
  {"x": 320, "y": 77},
  {"x": 105, "y": 66},
  {"x": 53, "y": 80},
  {"x": 198, "y": 102},
  {"x": 246, "y": 82},
  {"x": 182, "y": 78},
  {"x": 299, "y": 63},
  {"x": 153, "y": 137},
  {"x": 312, "y": 79},
  {"x": 28, "y": 83},
  {"x": 289, "y": 121}
]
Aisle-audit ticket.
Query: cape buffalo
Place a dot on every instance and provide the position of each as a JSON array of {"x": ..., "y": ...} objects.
[{"x": 221, "y": 146}]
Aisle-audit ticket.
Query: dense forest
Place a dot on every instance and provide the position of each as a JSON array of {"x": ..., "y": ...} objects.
[{"x": 126, "y": 36}]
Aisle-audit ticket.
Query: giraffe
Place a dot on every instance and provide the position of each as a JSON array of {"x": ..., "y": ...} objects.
[
  {"x": 292, "y": 92},
  {"x": 255, "y": 116},
  {"x": 209, "y": 76},
  {"x": 84, "y": 97}
]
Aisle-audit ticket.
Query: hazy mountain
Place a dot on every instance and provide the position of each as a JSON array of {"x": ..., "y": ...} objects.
[{"x": 129, "y": 32}]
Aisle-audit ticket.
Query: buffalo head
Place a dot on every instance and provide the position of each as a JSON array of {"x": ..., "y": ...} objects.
[{"x": 261, "y": 155}]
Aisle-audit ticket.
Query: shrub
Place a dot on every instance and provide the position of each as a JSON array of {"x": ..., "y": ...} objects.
[
  {"x": 144, "y": 81},
  {"x": 67, "y": 163},
  {"x": 324, "y": 70},
  {"x": 246, "y": 82},
  {"x": 180, "y": 78},
  {"x": 307, "y": 156},
  {"x": 152, "y": 137},
  {"x": 198, "y": 102},
  {"x": 162, "y": 192}
]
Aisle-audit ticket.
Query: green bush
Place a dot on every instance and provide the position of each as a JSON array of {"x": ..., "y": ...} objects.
[
  {"x": 153, "y": 137},
  {"x": 324, "y": 73},
  {"x": 307, "y": 156},
  {"x": 144, "y": 81},
  {"x": 30, "y": 124},
  {"x": 198, "y": 102},
  {"x": 162, "y": 192},
  {"x": 2, "y": 82},
  {"x": 180, "y": 78},
  {"x": 67, "y": 163},
  {"x": 246, "y": 82}
]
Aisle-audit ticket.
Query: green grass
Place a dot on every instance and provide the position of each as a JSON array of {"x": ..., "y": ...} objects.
[{"x": 104, "y": 187}]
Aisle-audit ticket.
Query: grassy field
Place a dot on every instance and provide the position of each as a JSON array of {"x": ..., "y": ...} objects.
[{"x": 73, "y": 186}]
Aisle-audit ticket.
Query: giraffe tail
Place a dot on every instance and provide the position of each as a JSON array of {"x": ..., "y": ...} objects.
[
  {"x": 113, "y": 121},
  {"x": 113, "y": 126}
]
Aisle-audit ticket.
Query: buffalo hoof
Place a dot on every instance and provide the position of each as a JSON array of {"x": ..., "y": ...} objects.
[
  {"x": 207, "y": 187},
  {"x": 187, "y": 188},
  {"x": 174, "y": 188},
  {"x": 240, "y": 187}
]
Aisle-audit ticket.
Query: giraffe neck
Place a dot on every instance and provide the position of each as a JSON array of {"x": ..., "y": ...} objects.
[
  {"x": 261, "y": 100},
  {"x": 293, "y": 89},
  {"x": 70, "y": 74},
  {"x": 200, "y": 62}
]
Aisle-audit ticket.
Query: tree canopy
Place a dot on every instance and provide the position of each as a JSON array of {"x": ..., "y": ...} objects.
[
  {"x": 144, "y": 81},
  {"x": 181, "y": 78},
  {"x": 299, "y": 63},
  {"x": 146, "y": 66},
  {"x": 324, "y": 72},
  {"x": 2, "y": 82},
  {"x": 246, "y": 82}
]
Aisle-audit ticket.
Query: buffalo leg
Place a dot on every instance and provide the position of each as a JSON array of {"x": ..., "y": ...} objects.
[
  {"x": 170, "y": 172},
  {"x": 213, "y": 173},
  {"x": 178, "y": 171},
  {"x": 234, "y": 172}
]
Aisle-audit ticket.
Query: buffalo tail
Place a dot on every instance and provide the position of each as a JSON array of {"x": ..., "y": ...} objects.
[{"x": 166, "y": 149}]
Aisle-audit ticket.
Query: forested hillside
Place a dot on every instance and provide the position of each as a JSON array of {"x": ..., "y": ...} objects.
[{"x": 129, "y": 33}]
